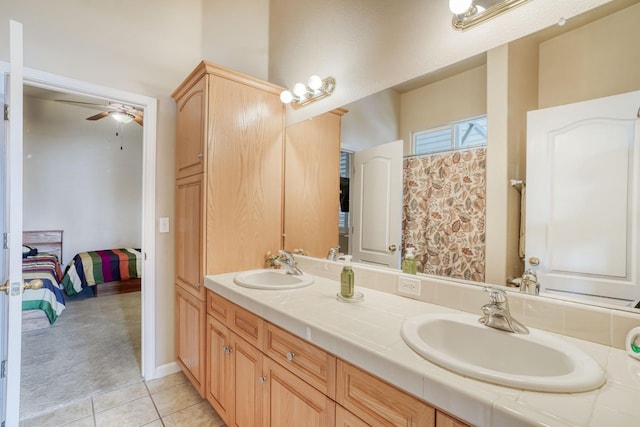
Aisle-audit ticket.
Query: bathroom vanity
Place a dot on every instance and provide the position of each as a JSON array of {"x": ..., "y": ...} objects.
[{"x": 302, "y": 351}]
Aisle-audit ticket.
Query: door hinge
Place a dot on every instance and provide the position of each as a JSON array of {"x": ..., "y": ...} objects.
[
  {"x": 3, "y": 369},
  {"x": 5, "y": 240},
  {"x": 6, "y": 111}
]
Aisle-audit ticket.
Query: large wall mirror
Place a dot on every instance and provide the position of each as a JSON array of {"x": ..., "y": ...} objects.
[{"x": 589, "y": 57}]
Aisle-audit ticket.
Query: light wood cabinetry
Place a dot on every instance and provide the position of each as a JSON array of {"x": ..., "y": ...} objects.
[
  {"x": 245, "y": 386},
  {"x": 293, "y": 402},
  {"x": 312, "y": 364},
  {"x": 274, "y": 378},
  {"x": 312, "y": 180},
  {"x": 345, "y": 418},
  {"x": 190, "y": 337},
  {"x": 444, "y": 420},
  {"x": 229, "y": 190},
  {"x": 191, "y": 124},
  {"x": 189, "y": 231},
  {"x": 378, "y": 403}
]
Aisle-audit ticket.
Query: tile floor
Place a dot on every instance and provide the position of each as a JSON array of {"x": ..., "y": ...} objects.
[{"x": 170, "y": 402}]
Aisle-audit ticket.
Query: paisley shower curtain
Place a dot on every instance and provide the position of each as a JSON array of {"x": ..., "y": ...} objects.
[{"x": 443, "y": 213}]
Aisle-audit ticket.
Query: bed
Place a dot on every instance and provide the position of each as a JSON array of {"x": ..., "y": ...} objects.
[
  {"x": 42, "y": 251},
  {"x": 119, "y": 269}
]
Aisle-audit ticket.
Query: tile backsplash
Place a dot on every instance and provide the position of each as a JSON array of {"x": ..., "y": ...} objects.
[{"x": 592, "y": 323}]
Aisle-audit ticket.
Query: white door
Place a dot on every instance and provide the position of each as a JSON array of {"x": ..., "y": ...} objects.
[
  {"x": 582, "y": 194},
  {"x": 377, "y": 205},
  {"x": 12, "y": 210}
]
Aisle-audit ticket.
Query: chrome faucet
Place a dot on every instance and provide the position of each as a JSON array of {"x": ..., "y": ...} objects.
[
  {"x": 496, "y": 314},
  {"x": 529, "y": 283},
  {"x": 334, "y": 254},
  {"x": 288, "y": 262}
]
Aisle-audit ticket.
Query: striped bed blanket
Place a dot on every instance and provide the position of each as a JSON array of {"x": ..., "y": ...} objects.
[
  {"x": 95, "y": 267},
  {"x": 49, "y": 298}
]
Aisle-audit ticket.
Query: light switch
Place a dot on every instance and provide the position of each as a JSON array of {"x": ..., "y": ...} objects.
[{"x": 163, "y": 225}]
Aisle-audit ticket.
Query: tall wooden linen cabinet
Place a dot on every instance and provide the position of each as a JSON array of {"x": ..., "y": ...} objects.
[{"x": 229, "y": 192}]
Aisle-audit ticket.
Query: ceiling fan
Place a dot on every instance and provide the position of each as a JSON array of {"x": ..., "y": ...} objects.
[{"x": 120, "y": 112}]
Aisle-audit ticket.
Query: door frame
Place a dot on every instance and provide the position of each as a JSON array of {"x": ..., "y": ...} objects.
[{"x": 59, "y": 83}]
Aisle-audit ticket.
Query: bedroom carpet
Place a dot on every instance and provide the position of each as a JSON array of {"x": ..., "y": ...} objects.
[{"x": 93, "y": 347}]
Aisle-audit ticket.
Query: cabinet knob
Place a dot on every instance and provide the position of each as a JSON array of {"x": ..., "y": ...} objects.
[
  {"x": 200, "y": 155},
  {"x": 290, "y": 356},
  {"x": 227, "y": 349},
  {"x": 262, "y": 380}
]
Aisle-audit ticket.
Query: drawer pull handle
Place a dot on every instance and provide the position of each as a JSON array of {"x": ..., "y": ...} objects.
[
  {"x": 262, "y": 380},
  {"x": 290, "y": 356}
]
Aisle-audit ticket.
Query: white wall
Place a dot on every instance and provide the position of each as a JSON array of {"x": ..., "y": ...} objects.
[
  {"x": 371, "y": 121},
  {"x": 77, "y": 179},
  {"x": 236, "y": 34}
]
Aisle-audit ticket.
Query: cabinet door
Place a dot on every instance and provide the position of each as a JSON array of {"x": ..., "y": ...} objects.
[
  {"x": 190, "y": 338},
  {"x": 189, "y": 230},
  {"x": 219, "y": 383},
  {"x": 249, "y": 384},
  {"x": 345, "y": 418},
  {"x": 312, "y": 182},
  {"x": 289, "y": 401},
  {"x": 244, "y": 176},
  {"x": 191, "y": 130}
]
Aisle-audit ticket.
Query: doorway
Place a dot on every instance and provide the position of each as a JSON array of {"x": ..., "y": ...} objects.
[{"x": 149, "y": 105}]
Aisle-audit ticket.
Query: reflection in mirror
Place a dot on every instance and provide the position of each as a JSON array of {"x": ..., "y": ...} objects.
[{"x": 592, "y": 57}]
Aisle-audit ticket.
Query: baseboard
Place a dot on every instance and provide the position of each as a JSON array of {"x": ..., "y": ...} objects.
[{"x": 164, "y": 370}]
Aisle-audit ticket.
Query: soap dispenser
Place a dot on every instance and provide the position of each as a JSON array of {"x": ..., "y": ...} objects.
[
  {"x": 409, "y": 262},
  {"x": 347, "y": 279}
]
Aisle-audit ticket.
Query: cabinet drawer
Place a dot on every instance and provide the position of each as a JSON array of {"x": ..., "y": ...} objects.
[
  {"x": 218, "y": 307},
  {"x": 312, "y": 364},
  {"x": 246, "y": 324},
  {"x": 378, "y": 403},
  {"x": 445, "y": 420}
]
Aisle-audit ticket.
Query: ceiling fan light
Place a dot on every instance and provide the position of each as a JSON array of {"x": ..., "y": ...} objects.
[{"x": 122, "y": 117}]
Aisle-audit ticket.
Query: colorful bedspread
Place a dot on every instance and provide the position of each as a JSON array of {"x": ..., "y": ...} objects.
[
  {"x": 49, "y": 298},
  {"x": 95, "y": 267}
]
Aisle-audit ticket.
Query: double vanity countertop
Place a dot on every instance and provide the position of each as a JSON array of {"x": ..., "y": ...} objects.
[{"x": 367, "y": 334}]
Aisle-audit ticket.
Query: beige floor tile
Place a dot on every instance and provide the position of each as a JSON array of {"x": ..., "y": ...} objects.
[
  {"x": 175, "y": 398},
  {"x": 83, "y": 422},
  {"x": 156, "y": 423},
  {"x": 131, "y": 414},
  {"x": 61, "y": 416},
  {"x": 199, "y": 415},
  {"x": 166, "y": 382},
  {"x": 118, "y": 397}
]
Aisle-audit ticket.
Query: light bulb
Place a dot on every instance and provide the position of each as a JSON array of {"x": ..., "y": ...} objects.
[
  {"x": 315, "y": 83},
  {"x": 459, "y": 7},
  {"x": 300, "y": 90},
  {"x": 121, "y": 116},
  {"x": 286, "y": 97}
]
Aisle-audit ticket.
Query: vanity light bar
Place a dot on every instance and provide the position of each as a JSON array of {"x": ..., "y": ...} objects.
[
  {"x": 303, "y": 94},
  {"x": 480, "y": 11}
]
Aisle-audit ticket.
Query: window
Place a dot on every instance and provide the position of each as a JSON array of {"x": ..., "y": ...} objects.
[
  {"x": 345, "y": 175},
  {"x": 461, "y": 135}
]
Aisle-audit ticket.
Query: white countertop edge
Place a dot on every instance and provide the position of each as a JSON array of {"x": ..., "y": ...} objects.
[{"x": 473, "y": 401}]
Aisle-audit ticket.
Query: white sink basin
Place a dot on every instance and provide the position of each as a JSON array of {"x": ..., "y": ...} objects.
[
  {"x": 536, "y": 361},
  {"x": 271, "y": 279}
]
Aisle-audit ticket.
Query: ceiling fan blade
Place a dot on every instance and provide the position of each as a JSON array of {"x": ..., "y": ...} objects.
[
  {"x": 90, "y": 105},
  {"x": 99, "y": 116},
  {"x": 138, "y": 120}
]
